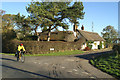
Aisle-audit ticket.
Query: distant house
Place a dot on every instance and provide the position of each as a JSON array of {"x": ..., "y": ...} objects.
[
  {"x": 85, "y": 36},
  {"x": 67, "y": 36},
  {"x": 80, "y": 36}
]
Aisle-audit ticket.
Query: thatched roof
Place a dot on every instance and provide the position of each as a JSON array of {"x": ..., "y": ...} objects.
[
  {"x": 91, "y": 36},
  {"x": 58, "y": 35}
]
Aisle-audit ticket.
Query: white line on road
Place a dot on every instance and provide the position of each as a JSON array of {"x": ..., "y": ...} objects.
[
  {"x": 70, "y": 71},
  {"x": 85, "y": 72},
  {"x": 92, "y": 77},
  {"x": 75, "y": 69},
  {"x": 35, "y": 62},
  {"x": 63, "y": 67}
]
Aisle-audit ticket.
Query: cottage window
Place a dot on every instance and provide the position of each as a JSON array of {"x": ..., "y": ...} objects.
[
  {"x": 95, "y": 44},
  {"x": 83, "y": 43}
]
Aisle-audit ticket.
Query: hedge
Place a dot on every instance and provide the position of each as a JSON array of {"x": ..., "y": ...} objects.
[{"x": 39, "y": 47}]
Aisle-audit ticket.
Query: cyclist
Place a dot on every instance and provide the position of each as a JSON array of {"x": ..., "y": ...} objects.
[{"x": 20, "y": 48}]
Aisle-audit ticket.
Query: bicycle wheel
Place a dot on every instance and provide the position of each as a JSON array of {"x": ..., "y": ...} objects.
[{"x": 22, "y": 58}]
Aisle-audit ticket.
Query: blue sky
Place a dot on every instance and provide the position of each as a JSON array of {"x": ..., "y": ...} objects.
[{"x": 101, "y": 14}]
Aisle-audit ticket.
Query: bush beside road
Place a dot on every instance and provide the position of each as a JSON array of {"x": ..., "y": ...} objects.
[{"x": 108, "y": 63}]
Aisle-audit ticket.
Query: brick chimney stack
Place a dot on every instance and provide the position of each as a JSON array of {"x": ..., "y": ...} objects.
[
  {"x": 75, "y": 27},
  {"x": 82, "y": 28}
]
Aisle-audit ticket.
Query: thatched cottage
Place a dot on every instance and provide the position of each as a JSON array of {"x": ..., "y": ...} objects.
[
  {"x": 84, "y": 37},
  {"x": 81, "y": 36}
]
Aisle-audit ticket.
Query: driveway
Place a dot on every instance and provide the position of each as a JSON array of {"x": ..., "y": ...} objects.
[{"x": 50, "y": 67}]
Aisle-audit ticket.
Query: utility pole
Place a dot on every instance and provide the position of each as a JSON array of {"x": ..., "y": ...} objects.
[{"x": 92, "y": 27}]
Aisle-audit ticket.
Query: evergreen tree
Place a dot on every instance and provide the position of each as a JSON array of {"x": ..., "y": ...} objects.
[
  {"x": 55, "y": 14},
  {"x": 109, "y": 34}
]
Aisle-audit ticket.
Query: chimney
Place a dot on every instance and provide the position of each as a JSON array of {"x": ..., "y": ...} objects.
[
  {"x": 82, "y": 28},
  {"x": 75, "y": 27}
]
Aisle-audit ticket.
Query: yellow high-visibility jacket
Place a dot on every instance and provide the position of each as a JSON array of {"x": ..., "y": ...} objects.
[{"x": 21, "y": 48}]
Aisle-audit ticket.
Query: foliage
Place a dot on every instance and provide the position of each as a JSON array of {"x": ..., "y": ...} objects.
[
  {"x": 100, "y": 45},
  {"x": 54, "y": 14},
  {"x": 8, "y": 32},
  {"x": 86, "y": 49},
  {"x": 89, "y": 44},
  {"x": 9, "y": 35},
  {"x": 23, "y": 24},
  {"x": 116, "y": 47},
  {"x": 109, "y": 34},
  {"x": 108, "y": 63}
]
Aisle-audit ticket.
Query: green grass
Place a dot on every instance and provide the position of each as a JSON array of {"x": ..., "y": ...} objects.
[
  {"x": 53, "y": 54},
  {"x": 108, "y": 63}
]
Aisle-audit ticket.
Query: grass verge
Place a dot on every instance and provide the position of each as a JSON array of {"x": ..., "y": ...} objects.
[
  {"x": 109, "y": 63},
  {"x": 52, "y": 54}
]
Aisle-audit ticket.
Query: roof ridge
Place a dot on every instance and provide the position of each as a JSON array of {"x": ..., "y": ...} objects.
[{"x": 88, "y": 31}]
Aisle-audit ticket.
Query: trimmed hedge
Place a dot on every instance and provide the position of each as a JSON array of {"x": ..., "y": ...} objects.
[{"x": 40, "y": 47}]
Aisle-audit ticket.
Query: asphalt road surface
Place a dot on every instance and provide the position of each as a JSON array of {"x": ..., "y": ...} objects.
[{"x": 48, "y": 67}]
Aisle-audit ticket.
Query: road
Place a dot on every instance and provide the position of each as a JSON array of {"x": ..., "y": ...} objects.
[{"x": 48, "y": 67}]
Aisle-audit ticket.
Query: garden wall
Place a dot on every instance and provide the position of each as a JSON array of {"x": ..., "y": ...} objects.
[{"x": 40, "y": 47}]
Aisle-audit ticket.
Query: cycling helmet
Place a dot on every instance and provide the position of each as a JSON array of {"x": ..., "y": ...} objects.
[{"x": 21, "y": 44}]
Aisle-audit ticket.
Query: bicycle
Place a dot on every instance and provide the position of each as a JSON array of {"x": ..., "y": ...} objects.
[{"x": 21, "y": 57}]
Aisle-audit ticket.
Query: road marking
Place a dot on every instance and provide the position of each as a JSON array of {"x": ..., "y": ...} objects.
[
  {"x": 70, "y": 71},
  {"x": 63, "y": 67},
  {"x": 85, "y": 72},
  {"x": 92, "y": 77},
  {"x": 75, "y": 69}
]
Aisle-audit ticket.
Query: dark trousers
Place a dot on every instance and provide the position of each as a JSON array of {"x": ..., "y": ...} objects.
[{"x": 18, "y": 54}]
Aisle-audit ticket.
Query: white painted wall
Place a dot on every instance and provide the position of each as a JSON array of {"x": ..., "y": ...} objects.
[
  {"x": 84, "y": 46},
  {"x": 94, "y": 45},
  {"x": 103, "y": 44}
]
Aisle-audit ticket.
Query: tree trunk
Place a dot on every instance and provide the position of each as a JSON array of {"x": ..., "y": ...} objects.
[
  {"x": 38, "y": 39},
  {"x": 49, "y": 32}
]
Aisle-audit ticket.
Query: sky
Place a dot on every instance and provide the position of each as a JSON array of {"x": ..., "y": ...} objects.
[{"x": 101, "y": 14}]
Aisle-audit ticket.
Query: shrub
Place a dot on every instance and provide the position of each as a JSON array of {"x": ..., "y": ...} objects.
[
  {"x": 9, "y": 35},
  {"x": 87, "y": 49},
  {"x": 116, "y": 47},
  {"x": 100, "y": 45},
  {"x": 90, "y": 46}
]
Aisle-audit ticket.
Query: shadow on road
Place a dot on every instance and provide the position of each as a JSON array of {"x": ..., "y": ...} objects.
[
  {"x": 92, "y": 55},
  {"x": 8, "y": 59},
  {"x": 48, "y": 78}
]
